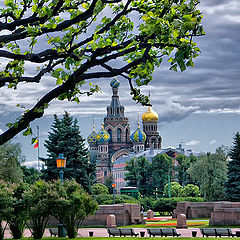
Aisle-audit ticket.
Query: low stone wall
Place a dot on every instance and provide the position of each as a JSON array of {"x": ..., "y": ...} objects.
[
  {"x": 196, "y": 209},
  {"x": 228, "y": 213},
  {"x": 125, "y": 214}
]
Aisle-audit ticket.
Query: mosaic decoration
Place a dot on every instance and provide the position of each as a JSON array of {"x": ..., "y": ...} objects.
[{"x": 114, "y": 83}]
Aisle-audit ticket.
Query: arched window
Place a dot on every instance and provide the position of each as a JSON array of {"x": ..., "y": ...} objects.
[
  {"x": 119, "y": 133},
  {"x": 110, "y": 133}
]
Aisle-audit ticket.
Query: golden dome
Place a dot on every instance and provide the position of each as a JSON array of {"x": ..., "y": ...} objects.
[{"x": 150, "y": 115}]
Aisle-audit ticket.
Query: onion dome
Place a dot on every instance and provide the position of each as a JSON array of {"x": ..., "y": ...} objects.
[
  {"x": 103, "y": 136},
  {"x": 138, "y": 135},
  {"x": 92, "y": 137},
  {"x": 115, "y": 83},
  {"x": 150, "y": 115}
]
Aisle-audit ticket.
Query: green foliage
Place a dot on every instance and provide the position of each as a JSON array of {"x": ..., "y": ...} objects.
[
  {"x": 99, "y": 188},
  {"x": 146, "y": 203},
  {"x": 190, "y": 190},
  {"x": 148, "y": 176},
  {"x": 65, "y": 138},
  {"x": 56, "y": 43},
  {"x": 10, "y": 159},
  {"x": 176, "y": 189},
  {"x": 5, "y": 202},
  {"x": 169, "y": 204},
  {"x": 18, "y": 213},
  {"x": 39, "y": 207},
  {"x": 210, "y": 172},
  {"x": 161, "y": 168},
  {"x": 233, "y": 174},
  {"x": 30, "y": 175},
  {"x": 108, "y": 183},
  {"x": 139, "y": 174},
  {"x": 107, "y": 199},
  {"x": 184, "y": 163},
  {"x": 70, "y": 204}
]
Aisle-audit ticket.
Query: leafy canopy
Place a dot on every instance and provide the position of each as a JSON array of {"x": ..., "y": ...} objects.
[{"x": 68, "y": 39}]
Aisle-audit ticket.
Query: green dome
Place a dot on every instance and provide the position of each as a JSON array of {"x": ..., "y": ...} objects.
[
  {"x": 138, "y": 135},
  {"x": 103, "y": 136},
  {"x": 92, "y": 137},
  {"x": 115, "y": 83}
]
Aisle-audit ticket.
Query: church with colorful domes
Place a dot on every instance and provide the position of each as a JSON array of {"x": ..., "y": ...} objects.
[{"x": 113, "y": 142}]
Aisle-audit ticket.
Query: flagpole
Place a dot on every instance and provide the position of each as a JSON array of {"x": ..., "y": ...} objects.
[{"x": 38, "y": 147}]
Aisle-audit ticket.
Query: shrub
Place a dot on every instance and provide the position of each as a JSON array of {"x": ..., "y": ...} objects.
[
  {"x": 190, "y": 190},
  {"x": 18, "y": 210},
  {"x": 146, "y": 203},
  {"x": 70, "y": 204},
  {"x": 107, "y": 199},
  {"x": 176, "y": 189},
  {"x": 169, "y": 204},
  {"x": 99, "y": 188}
]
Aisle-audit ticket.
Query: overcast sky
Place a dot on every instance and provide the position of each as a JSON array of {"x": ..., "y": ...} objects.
[{"x": 199, "y": 107}]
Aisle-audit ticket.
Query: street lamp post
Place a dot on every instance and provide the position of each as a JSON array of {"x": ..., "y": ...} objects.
[
  {"x": 114, "y": 187},
  {"x": 61, "y": 163}
]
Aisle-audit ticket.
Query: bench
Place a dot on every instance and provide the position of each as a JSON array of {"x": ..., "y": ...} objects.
[
  {"x": 154, "y": 232},
  {"x": 208, "y": 232},
  {"x": 224, "y": 232},
  {"x": 53, "y": 231},
  {"x": 113, "y": 232},
  {"x": 163, "y": 232},
  {"x": 127, "y": 232},
  {"x": 170, "y": 232}
]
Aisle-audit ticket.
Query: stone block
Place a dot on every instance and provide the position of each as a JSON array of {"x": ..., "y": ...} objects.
[
  {"x": 150, "y": 214},
  {"x": 111, "y": 221},
  {"x": 181, "y": 221}
]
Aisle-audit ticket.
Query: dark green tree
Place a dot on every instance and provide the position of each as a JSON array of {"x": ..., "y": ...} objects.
[
  {"x": 210, "y": 172},
  {"x": 10, "y": 159},
  {"x": 30, "y": 175},
  {"x": 138, "y": 174},
  {"x": 233, "y": 174},
  {"x": 65, "y": 138},
  {"x": 161, "y": 169}
]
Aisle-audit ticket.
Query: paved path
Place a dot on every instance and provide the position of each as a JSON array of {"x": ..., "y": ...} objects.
[{"x": 102, "y": 232}]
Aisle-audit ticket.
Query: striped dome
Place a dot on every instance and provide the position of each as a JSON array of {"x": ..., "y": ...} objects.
[
  {"x": 103, "y": 136},
  {"x": 115, "y": 83},
  {"x": 138, "y": 135},
  {"x": 92, "y": 137}
]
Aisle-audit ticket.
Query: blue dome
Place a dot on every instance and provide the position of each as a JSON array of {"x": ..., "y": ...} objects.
[
  {"x": 92, "y": 137},
  {"x": 138, "y": 135},
  {"x": 103, "y": 136},
  {"x": 115, "y": 83}
]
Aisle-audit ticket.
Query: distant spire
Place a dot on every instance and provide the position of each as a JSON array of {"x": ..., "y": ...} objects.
[{"x": 138, "y": 121}]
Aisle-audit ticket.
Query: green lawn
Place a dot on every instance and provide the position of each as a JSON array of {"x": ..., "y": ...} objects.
[{"x": 129, "y": 238}]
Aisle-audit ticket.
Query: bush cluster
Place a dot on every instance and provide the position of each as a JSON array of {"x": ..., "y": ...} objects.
[
  {"x": 169, "y": 204},
  {"x": 22, "y": 204}
]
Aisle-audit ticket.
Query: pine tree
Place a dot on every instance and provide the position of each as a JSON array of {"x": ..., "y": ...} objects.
[
  {"x": 65, "y": 138},
  {"x": 233, "y": 182}
]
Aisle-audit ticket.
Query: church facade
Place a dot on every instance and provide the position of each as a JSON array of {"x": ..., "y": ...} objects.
[{"x": 114, "y": 143}]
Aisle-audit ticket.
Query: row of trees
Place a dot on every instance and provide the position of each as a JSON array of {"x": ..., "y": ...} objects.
[
  {"x": 216, "y": 174},
  {"x": 22, "y": 204},
  {"x": 216, "y": 177}
]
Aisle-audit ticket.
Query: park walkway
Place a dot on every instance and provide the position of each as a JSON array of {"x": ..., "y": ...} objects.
[{"x": 102, "y": 232}]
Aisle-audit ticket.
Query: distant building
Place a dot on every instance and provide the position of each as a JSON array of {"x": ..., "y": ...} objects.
[{"x": 113, "y": 146}]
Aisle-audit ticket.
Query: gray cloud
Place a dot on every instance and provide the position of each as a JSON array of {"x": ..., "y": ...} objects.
[{"x": 211, "y": 86}]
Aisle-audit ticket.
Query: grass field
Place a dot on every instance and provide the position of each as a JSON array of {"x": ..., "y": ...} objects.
[{"x": 128, "y": 238}]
